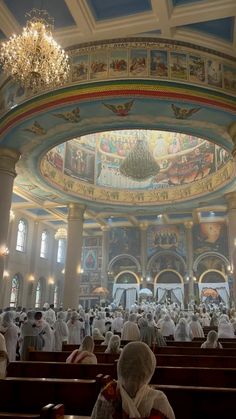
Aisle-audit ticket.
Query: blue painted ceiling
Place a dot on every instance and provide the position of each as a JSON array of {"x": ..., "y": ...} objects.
[
  {"x": 184, "y": 2},
  {"x": 111, "y": 9},
  {"x": 220, "y": 28},
  {"x": 17, "y": 198}
]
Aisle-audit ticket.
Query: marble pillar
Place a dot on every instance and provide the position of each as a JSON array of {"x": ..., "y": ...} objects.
[
  {"x": 143, "y": 253},
  {"x": 105, "y": 256},
  {"x": 73, "y": 256},
  {"x": 189, "y": 256},
  {"x": 8, "y": 160}
]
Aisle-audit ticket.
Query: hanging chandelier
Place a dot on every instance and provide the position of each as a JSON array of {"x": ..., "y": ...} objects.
[
  {"x": 34, "y": 59},
  {"x": 61, "y": 233},
  {"x": 139, "y": 164}
]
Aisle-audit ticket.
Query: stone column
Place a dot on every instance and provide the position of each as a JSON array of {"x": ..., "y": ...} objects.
[
  {"x": 231, "y": 204},
  {"x": 73, "y": 256},
  {"x": 143, "y": 253},
  {"x": 189, "y": 241},
  {"x": 8, "y": 159},
  {"x": 105, "y": 256}
]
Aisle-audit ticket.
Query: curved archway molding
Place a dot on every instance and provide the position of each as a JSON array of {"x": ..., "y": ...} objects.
[{"x": 124, "y": 256}]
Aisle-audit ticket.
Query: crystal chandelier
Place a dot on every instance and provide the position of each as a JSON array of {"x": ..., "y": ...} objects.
[
  {"x": 139, "y": 164},
  {"x": 34, "y": 59},
  {"x": 61, "y": 233}
]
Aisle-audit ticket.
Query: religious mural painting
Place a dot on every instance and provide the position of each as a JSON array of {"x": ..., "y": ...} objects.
[
  {"x": 56, "y": 156},
  {"x": 118, "y": 63},
  {"x": 99, "y": 65},
  {"x": 124, "y": 240},
  {"x": 79, "y": 67},
  {"x": 138, "y": 62},
  {"x": 91, "y": 264},
  {"x": 79, "y": 161},
  {"x": 210, "y": 237},
  {"x": 197, "y": 69},
  {"x": 214, "y": 73},
  {"x": 166, "y": 237},
  {"x": 178, "y": 66},
  {"x": 159, "y": 63},
  {"x": 229, "y": 78}
]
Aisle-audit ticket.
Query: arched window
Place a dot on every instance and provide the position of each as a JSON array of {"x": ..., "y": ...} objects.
[
  {"x": 44, "y": 244},
  {"x": 61, "y": 251},
  {"x": 38, "y": 294},
  {"x": 15, "y": 285},
  {"x": 55, "y": 296},
  {"x": 21, "y": 236}
]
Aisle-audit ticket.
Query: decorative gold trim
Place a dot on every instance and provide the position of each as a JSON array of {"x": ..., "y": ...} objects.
[
  {"x": 213, "y": 270},
  {"x": 127, "y": 272},
  {"x": 168, "y": 270}
]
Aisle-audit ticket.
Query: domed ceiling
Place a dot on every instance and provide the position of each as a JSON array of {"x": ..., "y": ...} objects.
[{"x": 90, "y": 166}]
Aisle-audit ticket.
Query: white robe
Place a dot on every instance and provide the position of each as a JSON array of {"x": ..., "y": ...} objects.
[
  {"x": 3, "y": 357},
  {"x": 130, "y": 331},
  {"x": 75, "y": 331},
  {"x": 61, "y": 333}
]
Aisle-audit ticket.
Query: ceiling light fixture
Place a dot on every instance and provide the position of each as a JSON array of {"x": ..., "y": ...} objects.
[
  {"x": 139, "y": 164},
  {"x": 34, "y": 59}
]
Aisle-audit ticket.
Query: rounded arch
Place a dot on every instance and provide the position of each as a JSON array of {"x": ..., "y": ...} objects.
[
  {"x": 129, "y": 273},
  {"x": 214, "y": 272},
  {"x": 163, "y": 254},
  {"x": 124, "y": 256},
  {"x": 166, "y": 271},
  {"x": 206, "y": 255}
]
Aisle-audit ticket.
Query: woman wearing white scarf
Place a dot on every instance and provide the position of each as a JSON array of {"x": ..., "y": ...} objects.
[
  {"x": 3, "y": 357},
  {"x": 131, "y": 396},
  {"x": 10, "y": 332},
  {"x": 225, "y": 328},
  {"x": 61, "y": 331}
]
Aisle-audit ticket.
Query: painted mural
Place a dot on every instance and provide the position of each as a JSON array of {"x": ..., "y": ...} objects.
[
  {"x": 211, "y": 236},
  {"x": 149, "y": 58},
  {"x": 166, "y": 237},
  {"x": 169, "y": 261},
  {"x": 124, "y": 241},
  {"x": 96, "y": 158},
  {"x": 91, "y": 254}
]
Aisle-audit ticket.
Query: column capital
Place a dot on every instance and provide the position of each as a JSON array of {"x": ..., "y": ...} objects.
[
  {"x": 143, "y": 226},
  {"x": 188, "y": 225},
  {"x": 8, "y": 160},
  {"x": 105, "y": 228},
  {"x": 76, "y": 211},
  {"x": 231, "y": 200},
  {"x": 232, "y": 133}
]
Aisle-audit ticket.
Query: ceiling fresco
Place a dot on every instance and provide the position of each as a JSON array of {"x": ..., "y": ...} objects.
[{"x": 96, "y": 158}]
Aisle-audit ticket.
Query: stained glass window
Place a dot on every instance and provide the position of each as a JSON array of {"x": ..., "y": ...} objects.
[
  {"x": 38, "y": 295},
  {"x": 15, "y": 285},
  {"x": 55, "y": 296},
  {"x": 61, "y": 251},
  {"x": 21, "y": 236},
  {"x": 44, "y": 244}
]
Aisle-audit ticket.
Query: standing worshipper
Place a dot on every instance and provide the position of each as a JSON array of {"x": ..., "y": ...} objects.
[
  {"x": 10, "y": 332},
  {"x": 131, "y": 396},
  {"x": 196, "y": 327},
  {"x": 50, "y": 315},
  {"x": 167, "y": 326},
  {"x": 29, "y": 337},
  {"x": 3, "y": 357},
  {"x": 225, "y": 328},
  {"x": 182, "y": 331},
  {"x": 117, "y": 324},
  {"x": 75, "y": 327},
  {"x": 99, "y": 323},
  {"x": 61, "y": 331},
  {"x": 130, "y": 329}
]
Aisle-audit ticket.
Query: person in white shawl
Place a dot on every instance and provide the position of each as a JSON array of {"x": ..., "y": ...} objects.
[
  {"x": 131, "y": 396},
  {"x": 196, "y": 328},
  {"x": 75, "y": 327},
  {"x": 182, "y": 331},
  {"x": 10, "y": 332},
  {"x": 61, "y": 331},
  {"x": 130, "y": 329},
  {"x": 3, "y": 357},
  {"x": 167, "y": 327},
  {"x": 225, "y": 328},
  {"x": 212, "y": 340}
]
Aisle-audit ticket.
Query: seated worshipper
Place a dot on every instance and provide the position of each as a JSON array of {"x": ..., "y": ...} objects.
[
  {"x": 196, "y": 327},
  {"x": 30, "y": 337},
  {"x": 130, "y": 329},
  {"x": 182, "y": 331},
  {"x": 3, "y": 357},
  {"x": 131, "y": 396},
  {"x": 225, "y": 328},
  {"x": 45, "y": 331},
  {"x": 75, "y": 327},
  {"x": 97, "y": 335},
  {"x": 167, "y": 326},
  {"x": 61, "y": 331},
  {"x": 114, "y": 345},
  {"x": 108, "y": 336},
  {"x": 83, "y": 355},
  {"x": 10, "y": 332},
  {"x": 212, "y": 340}
]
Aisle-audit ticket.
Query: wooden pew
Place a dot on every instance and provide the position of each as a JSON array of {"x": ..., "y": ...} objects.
[
  {"x": 188, "y": 350},
  {"x": 195, "y": 376},
  {"x": 59, "y": 370},
  {"x": 189, "y": 402},
  {"x": 30, "y": 394},
  {"x": 102, "y": 358}
]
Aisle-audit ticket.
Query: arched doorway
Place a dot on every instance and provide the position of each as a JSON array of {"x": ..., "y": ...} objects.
[
  {"x": 169, "y": 287},
  {"x": 214, "y": 288},
  {"x": 125, "y": 289}
]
